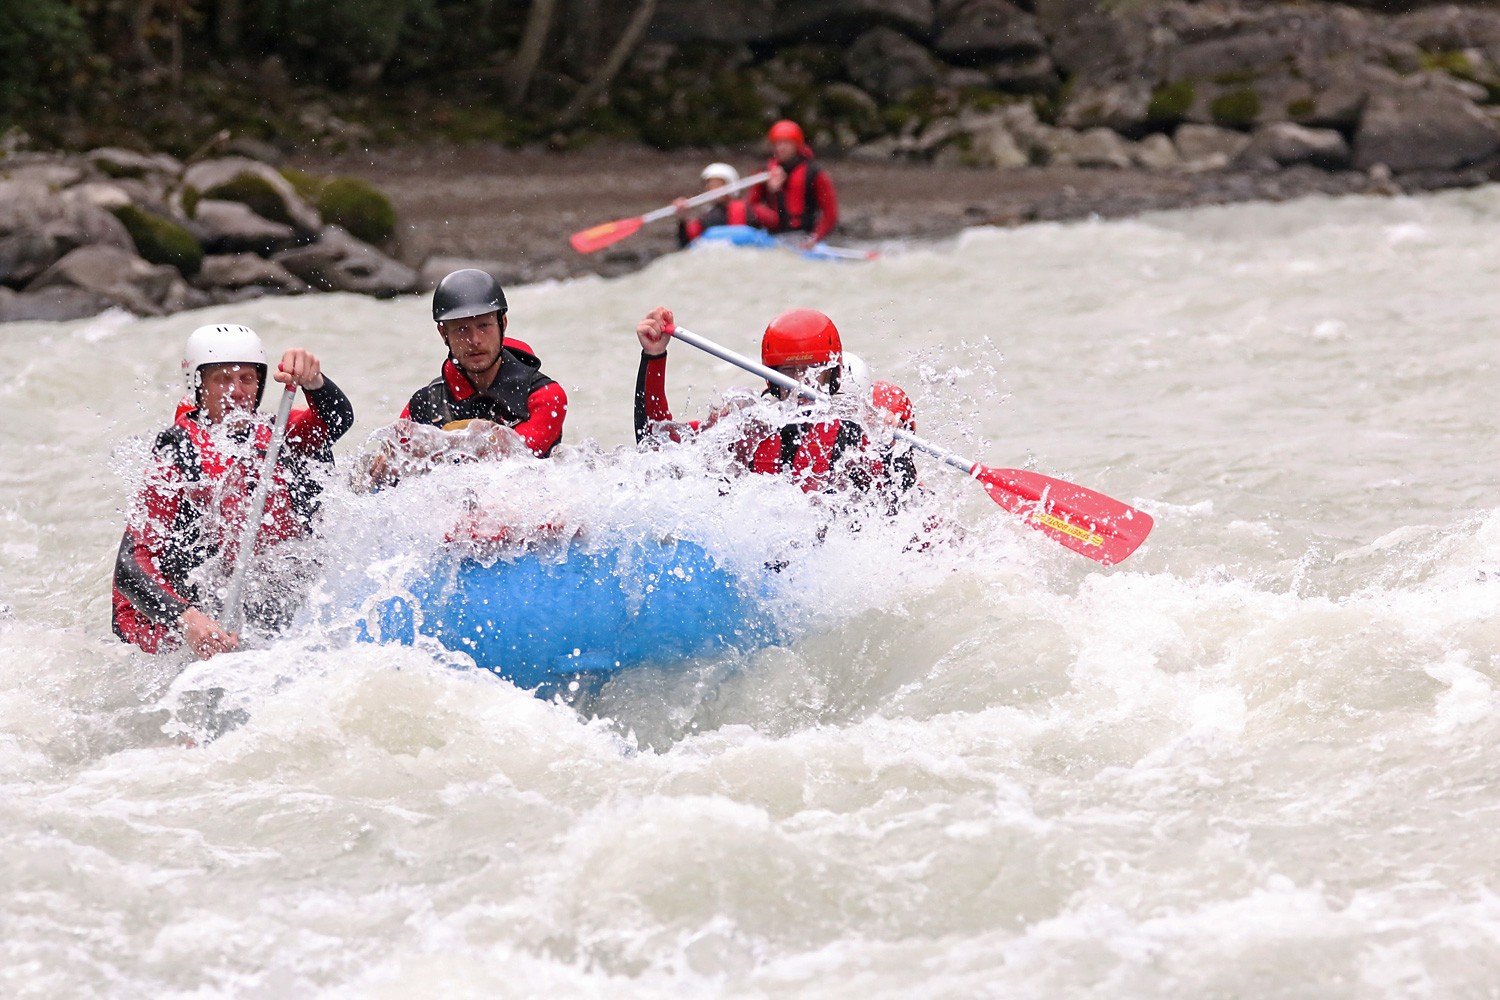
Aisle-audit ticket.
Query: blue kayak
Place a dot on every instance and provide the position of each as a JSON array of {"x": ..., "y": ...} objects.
[
  {"x": 544, "y": 618},
  {"x": 749, "y": 236}
]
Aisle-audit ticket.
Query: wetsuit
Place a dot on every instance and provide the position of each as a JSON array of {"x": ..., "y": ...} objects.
[
  {"x": 521, "y": 398},
  {"x": 819, "y": 455},
  {"x": 192, "y": 508},
  {"x": 806, "y": 202},
  {"x": 732, "y": 212}
]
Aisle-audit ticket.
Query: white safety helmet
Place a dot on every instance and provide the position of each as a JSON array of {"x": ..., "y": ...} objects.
[
  {"x": 856, "y": 380},
  {"x": 722, "y": 171},
  {"x": 223, "y": 343}
]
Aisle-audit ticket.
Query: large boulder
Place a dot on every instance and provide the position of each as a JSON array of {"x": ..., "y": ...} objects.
[
  {"x": 1095, "y": 147},
  {"x": 57, "y": 304},
  {"x": 1423, "y": 128},
  {"x": 978, "y": 30},
  {"x": 246, "y": 270},
  {"x": 1208, "y": 146},
  {"x": 890, "y": 66},
  {"x": 231, "y": 227},
  {"x": 266, "y": 192},
  {"x": 38, "y": 227},
  {"x": 124, "y": 163},
  {"x": 117, "y": 275},
  {"x": 1282, "y": 144},
  {"x": 338, "y": 262}
]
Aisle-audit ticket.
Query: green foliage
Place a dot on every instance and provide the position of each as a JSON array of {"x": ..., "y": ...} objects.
[
  {"x": 333, "y": 41},
  {"x": 1170, "y": 103},
  {"x": 1302, "y": 107},
  {"x": 694, "y": 101},
  {"x": 161, "y": 241},
  {"x": 42, "y": 44},
  {"x": 1236, "y": 109},
  {"x": 256, "y": 192}
]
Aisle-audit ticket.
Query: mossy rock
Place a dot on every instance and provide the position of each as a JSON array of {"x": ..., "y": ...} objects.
[
  {"x": 1302, "y": 107},
  {"x": 161, "y": 241},
  {"x": 1236, "y": 109},
  {"x": 255, "y": 192},
  {"x": 356, "y": 205},
  {"x": 1453, "y": 62},
  {"x": 1171, "y": 102},
  {"x": 359, "y": 207}
]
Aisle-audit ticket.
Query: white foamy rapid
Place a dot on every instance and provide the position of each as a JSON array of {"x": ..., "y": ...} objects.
[{"x": 1260, "y": 759}]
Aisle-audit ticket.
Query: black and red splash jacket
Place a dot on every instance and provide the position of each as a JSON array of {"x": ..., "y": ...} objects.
[
  {"x": 806, "y": 202},
  {"x": 731, "y": 212},
  {"x": 521, "y": 398},
  {"x": 820, "y": 456},
  {"x": 192, "y": 509}
]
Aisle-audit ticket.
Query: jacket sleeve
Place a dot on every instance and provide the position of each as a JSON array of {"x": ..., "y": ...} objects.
[
  {"x": 762, "y": 214},
  {"x": 138, "y": 574},
  {"x": 543, "y": 429},
  {"x": 328, "y": 416},
  {"x": 828, "y": 205}
]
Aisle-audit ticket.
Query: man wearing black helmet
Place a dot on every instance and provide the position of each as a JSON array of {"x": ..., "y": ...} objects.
[{"x": 487, "y": 376}]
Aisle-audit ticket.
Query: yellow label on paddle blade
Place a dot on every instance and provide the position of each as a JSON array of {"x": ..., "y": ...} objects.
[{"x": 1052, "y": 521}]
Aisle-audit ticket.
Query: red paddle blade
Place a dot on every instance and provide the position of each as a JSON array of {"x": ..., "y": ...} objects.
[
  {"x": 1091, "y": 524},
  {"x": 601, "y": 236}
]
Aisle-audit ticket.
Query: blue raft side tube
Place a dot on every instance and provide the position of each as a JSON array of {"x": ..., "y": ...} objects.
[
  {"x": 749, "y": 236},
  {"x": 537, "y": 620}
]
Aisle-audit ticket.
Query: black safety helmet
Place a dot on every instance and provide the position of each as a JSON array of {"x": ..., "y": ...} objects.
[{"x": 470, "y": 292}]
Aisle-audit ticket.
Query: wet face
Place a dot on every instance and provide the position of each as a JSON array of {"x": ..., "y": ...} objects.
[
  {"x": 227, "y": 388},
  {"x": 819, "y": 376},
  {"x": 713, "y": 184},
  {"x": 474, "y": 342},
  {"x": 784, "y": 150}
]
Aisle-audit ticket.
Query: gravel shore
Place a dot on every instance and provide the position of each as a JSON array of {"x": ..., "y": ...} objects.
[{"x": 518, "y": 207}]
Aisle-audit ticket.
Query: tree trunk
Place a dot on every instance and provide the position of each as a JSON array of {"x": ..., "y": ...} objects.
[
  {"x": 529, "y": 54},
  {"x": 597, "y": 86}
]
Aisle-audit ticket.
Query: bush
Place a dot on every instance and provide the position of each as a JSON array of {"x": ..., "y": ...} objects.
[
  {"x": 1170, "y": 103},
  {"x": 42, "y": 42},
  {"x": 161, "y": 241}
]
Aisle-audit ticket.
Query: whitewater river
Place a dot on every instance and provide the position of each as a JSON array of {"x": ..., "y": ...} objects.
[{"x": 1259, "y": 759}]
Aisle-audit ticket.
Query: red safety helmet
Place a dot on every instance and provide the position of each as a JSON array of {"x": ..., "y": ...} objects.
[
  {"x": 893, "y": 399},
  {"x": 788, "y": 130},
  {"x": 800, "y": 337}
]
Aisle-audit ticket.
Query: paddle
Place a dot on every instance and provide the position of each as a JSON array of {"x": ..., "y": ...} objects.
[
  {"x": 609, "y": 233},
  {"x": 234, "y": 595},
  {"x": 1089, "y": 523}
]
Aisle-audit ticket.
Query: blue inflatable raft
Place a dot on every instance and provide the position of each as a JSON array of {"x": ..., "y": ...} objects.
[
  {"x": 544, "y": 618},
  {"x": 749, "y": 236}
]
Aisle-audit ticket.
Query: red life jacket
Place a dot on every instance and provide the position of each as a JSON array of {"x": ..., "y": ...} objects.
[{"x": 815, "y": 455}]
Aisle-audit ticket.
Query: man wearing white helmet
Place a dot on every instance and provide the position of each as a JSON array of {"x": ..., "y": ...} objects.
[
  {"x": 726, "y": 211},
  {"x": 204, "y": 467}
]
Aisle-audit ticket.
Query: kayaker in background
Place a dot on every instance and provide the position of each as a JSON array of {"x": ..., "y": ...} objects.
[
  {"x": 183, "y": 526},
  {"x": 726, "y": 211},
  {"x": 823, "y": 455},
  {"x": 799, "y": 195},
  {"x": 489, "y": 381}
]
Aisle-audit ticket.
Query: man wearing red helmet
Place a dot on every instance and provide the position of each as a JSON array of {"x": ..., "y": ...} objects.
[
  {"x": 820, "y": 455},
  {"x": 799, "y": 195}
]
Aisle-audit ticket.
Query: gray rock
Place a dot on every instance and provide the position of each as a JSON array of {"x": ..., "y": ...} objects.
[
  {"x": 58, "y": 304},
  {"x": 1282, "y": 144},
  {"x": 121, "y": 163},
  {"x": 889, "y": 65},
  {"x": 1155, "y": 152},
  {"x": 1095, "y": 42},
  {"x": 972, "y": 30},
  {"x": 1423, "y": 129},
  {"x": 1096, "y": 147},
  {"x": 38, "y": 227},
  {"x": 1121, "y": 106},
  {"x": 288, "y": 207},
  {"x": 54, "y": 176},
  {"x": 338, "y": 262},
  {"x": 1449, "y": 28},
  {"x": 1200, "y": 144},
  {"x": 114, "y": 274},
  {"x": 1025, "y": 74},
  {"x": 242, "y": 270},
  {"x": 226, "y": 227}
]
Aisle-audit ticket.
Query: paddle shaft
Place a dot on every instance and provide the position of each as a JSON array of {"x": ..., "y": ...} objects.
[
  {"x": 708, "y": 196},
  {"x": 234, "y": 595},
  {"x": 786, "y": 382}
]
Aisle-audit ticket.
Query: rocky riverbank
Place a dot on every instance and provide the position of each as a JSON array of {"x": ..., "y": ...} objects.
[{"x": 932, "y": 116}]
